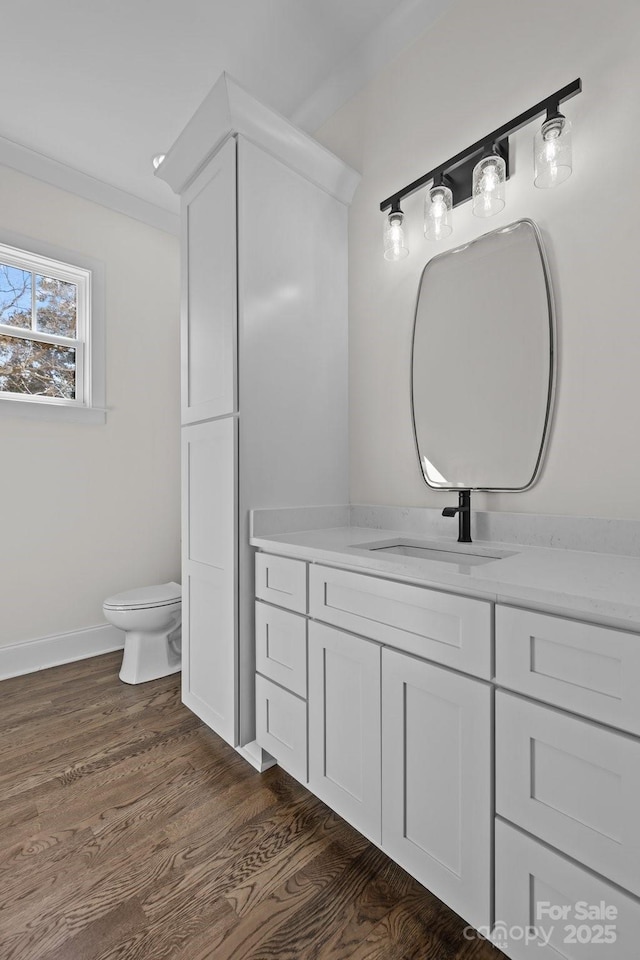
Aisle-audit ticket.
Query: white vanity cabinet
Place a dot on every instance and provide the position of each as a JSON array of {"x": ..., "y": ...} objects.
[
  {"x": 567, "y": 787},
  {"x": 491, "y": 751},
  {"x": 264, "y": 369},
  {"x": 437, "y": 780},
  {"x": 399, "y": 746}
]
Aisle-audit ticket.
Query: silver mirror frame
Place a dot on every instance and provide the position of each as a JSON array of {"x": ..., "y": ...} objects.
[{"x": 553, "y": 361}]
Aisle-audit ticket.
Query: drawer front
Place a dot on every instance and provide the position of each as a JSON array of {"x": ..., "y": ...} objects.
[
  {"x": 532, "y": 880},
  {"x": 571, "y": 783},
  {"x": 455, "y": 631},
  {"x": 281, "y": 647},
  {"x": 282, "y": 581},
  {"x": 281, "y": 727},
  {"x": 578, "y": 666}
]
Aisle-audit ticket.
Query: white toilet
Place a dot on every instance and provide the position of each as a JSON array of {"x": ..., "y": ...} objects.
[{"x": 151, "y": 618}]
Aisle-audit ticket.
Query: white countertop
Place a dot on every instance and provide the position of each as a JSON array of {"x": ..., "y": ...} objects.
[{"x": 603, "y": 588}]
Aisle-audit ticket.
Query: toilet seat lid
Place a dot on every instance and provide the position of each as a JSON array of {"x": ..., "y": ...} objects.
[{"x": 157, "y": 596}]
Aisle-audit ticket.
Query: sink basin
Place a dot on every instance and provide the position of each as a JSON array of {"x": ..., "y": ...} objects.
[{"x": 462, "y": 554}]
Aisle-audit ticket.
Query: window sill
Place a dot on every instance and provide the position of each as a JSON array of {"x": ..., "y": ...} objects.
[{"x": 32, "y": 410}]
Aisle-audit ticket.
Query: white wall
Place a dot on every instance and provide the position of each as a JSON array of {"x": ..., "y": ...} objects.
[
  {"x": 480, "y": 65},
  {"x": 88, "y": 510}
]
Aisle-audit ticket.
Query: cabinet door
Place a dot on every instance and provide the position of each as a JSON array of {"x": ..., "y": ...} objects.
[
  {"x": 282, "y": 581},
  {"x": 578, "y": 666},
  {"x": 209, "y": 594},
  {"x": 549, "y": 907},
  {"x": 344, "y": 726},
  {"x": 209, "y": 296},
  {"x": 281, "y": 727},
  {"x": 452, "y": 630},
  {"x": 281, "y": 647},
  {"x": 436, "y": 774},
  {"x": 573, "y": 783}
]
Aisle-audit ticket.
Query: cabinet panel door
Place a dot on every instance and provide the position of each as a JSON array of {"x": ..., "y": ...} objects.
[
  {"x": 543, "y": 893},
  {"x": 281, "y": 647},
  {"x": 436, "y": 773},
  {"x": 572, "y": 783},
  {"x": 282, "y": 581},
  {"x": 581, "y": 667},
  {"x": 452, "y": 630},
  {"x": 281, "y": 727},
  {"x": 209, "y": 290},
  {"x": 344, "y": 726},
  {"x": 209, "y": 594}
]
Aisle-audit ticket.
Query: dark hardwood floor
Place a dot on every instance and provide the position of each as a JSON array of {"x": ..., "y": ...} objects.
[{"x": 129, "y": 831}]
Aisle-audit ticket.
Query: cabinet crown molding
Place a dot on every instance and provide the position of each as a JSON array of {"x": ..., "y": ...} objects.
[{"x": 228, "y": 110}]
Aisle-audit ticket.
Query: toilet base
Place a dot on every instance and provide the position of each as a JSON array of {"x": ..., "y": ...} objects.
[{"x": 148, "y": 656}]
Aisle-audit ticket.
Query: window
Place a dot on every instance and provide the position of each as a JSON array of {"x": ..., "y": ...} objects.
[{"x": 46, "y": 355}]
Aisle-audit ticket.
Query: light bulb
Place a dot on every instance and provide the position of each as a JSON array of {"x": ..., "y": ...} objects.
[
  {"x": 437, "y": 213},
  {"x": 552, "y": 154},
  {"x": 394, "y": 247},
  {"x": 551, "y": 151},
  {"x": 489, "y": 178},
  {"x": 488, "y": 186},
  {"x": 157, "y": 160}
]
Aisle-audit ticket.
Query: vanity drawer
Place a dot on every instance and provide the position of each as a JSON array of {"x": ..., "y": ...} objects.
[
  {"x": 448, "y": 629},
  {"x": 571, "y": 783},
  {"x": 282, "y": 581},
  {"x": 281, "y": 647},
  {"x": 531, "y": 879},
  {"x": 578, "y": 666},
  {"x": 281, "y": 727}
]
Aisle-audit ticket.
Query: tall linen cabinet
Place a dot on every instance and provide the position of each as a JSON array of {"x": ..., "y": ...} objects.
[{"x": 264, "y": 370}]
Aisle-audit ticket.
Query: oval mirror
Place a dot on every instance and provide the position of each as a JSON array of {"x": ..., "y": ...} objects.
[{"x": 483, "y": 362}]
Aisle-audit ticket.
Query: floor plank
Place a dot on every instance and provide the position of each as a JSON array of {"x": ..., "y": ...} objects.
[{"x": 129, "y": 831}]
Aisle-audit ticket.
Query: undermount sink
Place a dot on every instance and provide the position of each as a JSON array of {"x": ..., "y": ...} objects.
[{"x": 461, "y": 554}]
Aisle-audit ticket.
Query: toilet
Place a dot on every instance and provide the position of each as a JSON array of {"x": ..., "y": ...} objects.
[{"x": 151, "y": 618}]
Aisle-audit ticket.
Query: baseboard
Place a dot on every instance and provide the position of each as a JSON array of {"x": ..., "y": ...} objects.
[
  {"x": 256, "y": 756},
  {"x": 45, "y": 652}
]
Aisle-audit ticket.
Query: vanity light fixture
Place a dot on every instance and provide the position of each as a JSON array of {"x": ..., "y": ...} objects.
[
  {"x": 394, "y": 246},
  {"x": 489, "y": 176},
  {"x": 481, "y": 170},
  {"x": 438, "y": 204},
  {"x": 552, "y": 151}
]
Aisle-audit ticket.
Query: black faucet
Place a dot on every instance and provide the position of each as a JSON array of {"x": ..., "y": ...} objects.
[{"x": 464, "y": 515}]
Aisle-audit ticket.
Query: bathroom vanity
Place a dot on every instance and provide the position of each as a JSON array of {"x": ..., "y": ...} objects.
[
  {"x": 477, "y": 717},
  {"x": 471, "y": 708}
]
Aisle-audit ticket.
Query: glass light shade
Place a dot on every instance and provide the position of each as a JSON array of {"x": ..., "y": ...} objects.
[
  {"x": 437, "y": 213},
  {"x": 489, "y": 176},
  {"x": 552, "y": 152},
  {"x": 394, "y": 248}
]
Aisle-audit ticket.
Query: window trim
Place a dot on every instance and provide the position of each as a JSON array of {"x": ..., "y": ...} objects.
[{"x": 27, "y": 253}]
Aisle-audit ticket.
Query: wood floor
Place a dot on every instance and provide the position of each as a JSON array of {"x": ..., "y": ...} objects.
[{"x": 129, "y": 831}]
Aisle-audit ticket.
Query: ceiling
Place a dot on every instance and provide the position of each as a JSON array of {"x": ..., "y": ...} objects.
[{"x": 102, "y": 87}]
